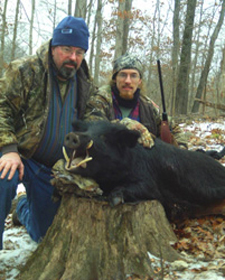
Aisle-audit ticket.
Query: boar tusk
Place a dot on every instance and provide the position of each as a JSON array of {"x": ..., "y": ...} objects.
[
  {"x": 65, "y": 154},
  {"x": 90, "y": 144}
]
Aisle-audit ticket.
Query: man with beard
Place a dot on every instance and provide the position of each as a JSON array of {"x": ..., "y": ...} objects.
[
  {"x": 40, "y": 95},
  {"x": 124, "y": 98}
]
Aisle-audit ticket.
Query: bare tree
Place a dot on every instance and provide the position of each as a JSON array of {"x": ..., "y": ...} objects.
[
  {"x": 221, "y": 86},
  {"x": 181, "y": 102},
  {"x": 126, "y": 24},
  {"x": 93, "y": 38},
  {"x": 99, "y": 41},
  {"x": 69, "y": 7},
  {"x": 175, "y": 51},
  {"x": 122, "y": 30},
  {"x": 204, "y": 74},
  {"x": 15, "y": 30},
  {"x": 90, "y": 7},
  {"x": 119, "y": 29},
  {"x": 54, "y": 15},
  {"x": 3, "y": 34},
  {"x": 152, "y": 43},
  {"x": 156, "y": 28},
  {"x": 31, "y": 27},
  {"x": 81, "y": 9},
  {"x": 197, "y": 46}
]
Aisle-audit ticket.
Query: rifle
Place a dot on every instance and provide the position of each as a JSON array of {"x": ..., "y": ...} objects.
[{"x": 165, "y": 133}]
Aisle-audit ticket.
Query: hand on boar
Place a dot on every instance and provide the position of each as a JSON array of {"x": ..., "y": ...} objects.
[{"x": 146, "y": 139}]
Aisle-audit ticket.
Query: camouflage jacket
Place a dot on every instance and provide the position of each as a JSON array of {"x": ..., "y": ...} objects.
[
  {"x": 100, "y": 106},
  {"x": 25, "y": 92}
]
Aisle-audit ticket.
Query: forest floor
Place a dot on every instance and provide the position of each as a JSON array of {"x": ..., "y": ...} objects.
[{"x": 200, "y": 241}]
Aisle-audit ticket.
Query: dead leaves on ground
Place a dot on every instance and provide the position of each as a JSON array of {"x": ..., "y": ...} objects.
[
  {"x": 207, "y": 135},
  {"x": 202, "y": 238}
]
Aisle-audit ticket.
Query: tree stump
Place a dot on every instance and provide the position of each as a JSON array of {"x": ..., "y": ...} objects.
[{"x": 90, "y": 240}]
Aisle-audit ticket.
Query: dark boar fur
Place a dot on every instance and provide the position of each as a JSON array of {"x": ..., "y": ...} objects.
[{"x": 186, "y": 183}]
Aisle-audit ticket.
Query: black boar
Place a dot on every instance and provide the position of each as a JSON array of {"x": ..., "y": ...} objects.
[{"x": 186, "y": 183}]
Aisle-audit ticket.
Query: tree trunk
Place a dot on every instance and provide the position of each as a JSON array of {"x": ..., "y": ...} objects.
[
  {"x": 175, "y": 51},
  {"x": 196, "y": 57},
  {"x": 3, "y": 34},
  {"x": 126, "y": 25},
  {"x": 181, "y": 101},
  {"x": 99, "y": 21},
  {"x": 31, "y": 27},
  {"x": 81, "y": 9},
  {"x": 152, "y": 44},
  {"x": 92, "y": 45},
  {"x": 70, "y": 7},
  {"x": 122, "y": 27},
  {"x": 15, "y": 31},
  {"x": 91, "y": 240},
  {"x": 204, "y": 74},
  {"x": 221, "y": 86}
]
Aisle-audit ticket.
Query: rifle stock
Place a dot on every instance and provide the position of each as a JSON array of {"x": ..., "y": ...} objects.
[{"x": 165, "y": 133}]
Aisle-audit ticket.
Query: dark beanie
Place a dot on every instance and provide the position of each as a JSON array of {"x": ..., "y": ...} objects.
[
  {"x": 127, "y": 61},
  {"x": 71, "y": 31}
]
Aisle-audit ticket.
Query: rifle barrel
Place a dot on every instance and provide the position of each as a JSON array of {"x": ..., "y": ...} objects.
[{"x": 161, "y": 87}]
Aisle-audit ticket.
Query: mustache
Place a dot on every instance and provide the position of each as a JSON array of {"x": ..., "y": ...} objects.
[{"x": 70, "y": 62}]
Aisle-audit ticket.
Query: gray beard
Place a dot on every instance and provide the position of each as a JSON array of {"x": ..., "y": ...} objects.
[{"x": 66, "y": 73}]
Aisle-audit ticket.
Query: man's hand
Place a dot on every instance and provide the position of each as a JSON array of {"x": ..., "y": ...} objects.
[
  {"x": 146, "y": 138},
  {"x": 11, "y": 162}
]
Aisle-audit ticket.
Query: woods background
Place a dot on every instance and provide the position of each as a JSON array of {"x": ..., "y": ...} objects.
[{"x": 188, "y": 36}]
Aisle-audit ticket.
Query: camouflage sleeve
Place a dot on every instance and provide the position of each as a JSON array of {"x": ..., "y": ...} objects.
[
  {"x": 180, "y": 136},
  {"x": 99, "y": 105},
  {"x": 146, "y": 138},
  {"x": 10, "y": 100}
]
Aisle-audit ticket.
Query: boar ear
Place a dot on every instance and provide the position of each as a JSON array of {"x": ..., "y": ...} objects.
[{"x": 127, "y": 138}]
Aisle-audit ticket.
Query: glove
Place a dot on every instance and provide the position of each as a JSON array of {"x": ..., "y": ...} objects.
[{"x": 146, "y": 139}]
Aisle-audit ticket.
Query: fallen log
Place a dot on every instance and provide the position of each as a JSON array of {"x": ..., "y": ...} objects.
[{"x": 211, "y": 104}]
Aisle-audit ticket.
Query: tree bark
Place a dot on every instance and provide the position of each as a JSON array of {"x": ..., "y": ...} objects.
[
  {"x": 70, "y": 7},
  {"x": 221, "y": 78},
  {"x": 175, "y": 51},
  {"x": 181, "y": 101},
  {"x": 122, "y": 27},
  {"x": 91, "y": 240},
  {"x": 81, "y": 9},
  {"x": 153, "y": 43},
  {"x": 3, "y": 35},
  {"x": 31, "y": 27},
  {"x": 99, "y": 21},
  {"x": 15, "y": 31},
  {"x": 196, "y": 56},
  {"x": 126, "y": 25},
  {"x": 204, "y": 74}
]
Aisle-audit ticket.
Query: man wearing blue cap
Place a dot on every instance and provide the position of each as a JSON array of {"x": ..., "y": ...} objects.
[{"x": 39, "y": 97}]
